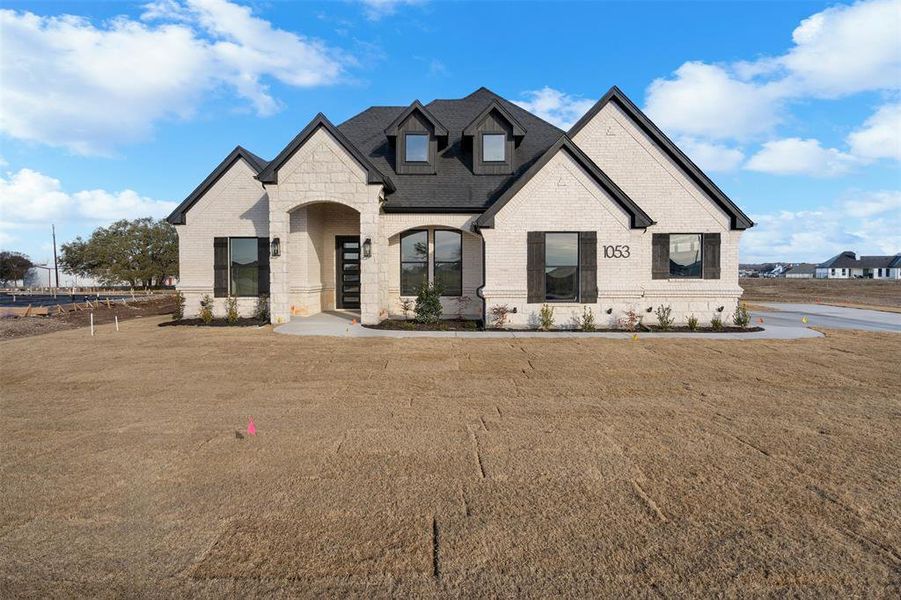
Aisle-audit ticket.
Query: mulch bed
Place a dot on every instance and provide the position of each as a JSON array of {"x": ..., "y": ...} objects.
[
  {"x": 444, "y": 325},
  {"x": 242, "y": 322}
]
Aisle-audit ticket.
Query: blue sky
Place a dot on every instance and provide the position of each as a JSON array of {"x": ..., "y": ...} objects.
[{"x": 118, "y": 109}]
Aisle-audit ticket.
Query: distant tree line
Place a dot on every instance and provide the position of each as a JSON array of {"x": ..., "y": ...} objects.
[
  {"x": 142, "y": 252},
  {"x": 14, "y": 267}
]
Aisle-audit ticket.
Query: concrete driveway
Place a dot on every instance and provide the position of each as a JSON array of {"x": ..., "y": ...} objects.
[{"x": 833, "y": 317}]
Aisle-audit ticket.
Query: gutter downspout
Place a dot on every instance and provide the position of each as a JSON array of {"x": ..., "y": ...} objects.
[{"x": 479, "y": 289}]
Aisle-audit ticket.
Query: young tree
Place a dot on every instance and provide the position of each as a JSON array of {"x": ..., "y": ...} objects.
[{"x": 14, "y": 266}]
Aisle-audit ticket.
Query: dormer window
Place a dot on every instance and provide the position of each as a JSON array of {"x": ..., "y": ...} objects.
[
  {"x": 494, "y": 147},
  {"x": 416, "y": 147},
  {"x": 493, "y": 136},
  {"x": 416, "y": 137}
]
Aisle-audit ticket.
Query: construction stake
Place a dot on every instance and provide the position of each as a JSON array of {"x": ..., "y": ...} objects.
[
  {"x": 92, "y": 324},
  {"x": 117, "y": 322}
]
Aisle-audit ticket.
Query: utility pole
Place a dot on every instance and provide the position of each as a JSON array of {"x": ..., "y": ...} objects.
[{"x": 55, "y": 267}]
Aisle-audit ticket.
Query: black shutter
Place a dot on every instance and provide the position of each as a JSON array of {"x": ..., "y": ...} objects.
[
  {"x": 263, "y": 273},
  {"x": 588, "y": 266},
  {"x": 660, "y": 256},
  {"x": 711, "y": 264},
  {"x": 220, "y": 267},
  {"x": 535, "y": 267}
]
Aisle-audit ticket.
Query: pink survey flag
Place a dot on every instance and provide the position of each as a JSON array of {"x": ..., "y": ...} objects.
[{"x": 251, "y": 428}]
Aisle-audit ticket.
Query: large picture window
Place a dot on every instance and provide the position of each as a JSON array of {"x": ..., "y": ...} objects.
[
  {"x": 685, "y": 255},
  {"x": 244, "y": 267},
  {"x": 561, "y": 267},
  {"x": 414, "y": 261},
  {"x": 448, "y": 265}
]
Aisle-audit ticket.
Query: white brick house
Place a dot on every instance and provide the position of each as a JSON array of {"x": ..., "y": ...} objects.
[{"x": 478, "y": 195}]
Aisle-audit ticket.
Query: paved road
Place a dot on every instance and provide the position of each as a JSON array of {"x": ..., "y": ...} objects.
[{"x": 835, "y": 317}]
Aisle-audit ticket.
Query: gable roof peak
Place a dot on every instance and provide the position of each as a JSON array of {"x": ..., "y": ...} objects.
[
  {"x": 495, "y": 105},
  {"x": 416, "y": 106}
]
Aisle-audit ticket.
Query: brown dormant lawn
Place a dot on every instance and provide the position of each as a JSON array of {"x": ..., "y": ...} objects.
[{"x": 483, "y": 467}]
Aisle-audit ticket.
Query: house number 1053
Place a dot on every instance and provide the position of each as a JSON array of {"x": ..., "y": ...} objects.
[{"x": 616, "y": 252}]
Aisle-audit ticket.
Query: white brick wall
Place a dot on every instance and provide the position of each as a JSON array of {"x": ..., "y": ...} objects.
[
  {"x": 562, "y": 197},
  {"x": 235, "y": 206},
  {"x": 320, "y": 171}
]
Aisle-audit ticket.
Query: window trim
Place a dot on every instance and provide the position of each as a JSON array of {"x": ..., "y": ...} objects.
[
  {"x": 578, "y": 298},
  {"x": 229, "y": 270},
  {"x": 428, "y": 141},
  {"x": 500, "y": 134},
  {"x": 435, "y": 262},
  {"x": 429, "y": 253},
  {"x": 700, "y": 256}
]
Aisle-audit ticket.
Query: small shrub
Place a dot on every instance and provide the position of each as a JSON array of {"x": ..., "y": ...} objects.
[
  {"x": 261, "y": 310},
  {"x": 428, "y": 303},
  {"x": 462, "y": 302},
  {"x": 546, "y": 317},
  {"x": 630, "y": 322},
  {"x": 499, "y": 313},
  {"x": 716, "y": 323},
  {"x": 664, "y": 317},
  {"x": 231, "y": 310},
  {"x": 587, "y": 323},
  {"x": 742, "y": 317},
  {"x": 406, "y": 306},
  {"x": 692, "y": 323},
  {"x": 179, "y": 313},
  {"x": 206, "y": 309}
]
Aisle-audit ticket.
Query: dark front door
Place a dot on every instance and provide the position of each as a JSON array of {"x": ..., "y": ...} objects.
[{"x": 347, "y": 279}]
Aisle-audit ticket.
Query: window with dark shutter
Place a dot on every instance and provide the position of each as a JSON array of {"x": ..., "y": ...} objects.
[
  {"x": 660, "y": 256},
  {"x": 263, "y": 275},
  {"x": 711, "y": 260},
  {"x": 535, "y": 266},
  {"x": 588, "y": 267},
  {"x": 220, "y": 267}
]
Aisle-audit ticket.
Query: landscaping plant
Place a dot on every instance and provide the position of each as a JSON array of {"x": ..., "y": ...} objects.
[
  {"x": 631, "y": 322},
  {"x": 586, "y": 323},
  {"x": 261, "y": 310},
  {"x": 664, "y": 317},
  {"x": 716, "y": 323},
  {"x": 692, "y": 323},
  {"x": 206, "y": 309},
  {"x": 462, "y": 302},
  {"x": 406, "y": 305},
  {"x": 179, "y": 313},
  {"x": 231, "y": 310},
  {"x": 499, "y": 314},
  {"x": 428, "y": 303},
  {"x": 546, "y": 317},
  {"x": 742, "y": 316}
]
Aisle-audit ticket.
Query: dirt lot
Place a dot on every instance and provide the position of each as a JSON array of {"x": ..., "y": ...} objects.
[
  {"x": 841, "y": 292},
  {"x": 27, "y": 326},
  {"x": 447, "y": 468}
]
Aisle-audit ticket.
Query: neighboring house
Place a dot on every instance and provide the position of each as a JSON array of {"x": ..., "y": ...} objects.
[
  {"x": 801, "y": 271},
  {"x": 478, "y": 195},
  {"x": 847, "y": 266}
]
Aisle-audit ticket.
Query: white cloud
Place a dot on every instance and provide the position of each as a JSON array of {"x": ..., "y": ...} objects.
[
  {"x": 796, "y": 156},
  {"x": 28, "y": 197},
  {"x": 556, "y": 107},
  {"x": 90, "y": 87},
  {"x": 864, "y": 222},
  {"x": 836, "y": 52},
  {"x": 880, "y": 135},
  {"x": 708, "y": 101},
  {"x": 711, "y": 157},
  {"x": 377, "y": 9}
]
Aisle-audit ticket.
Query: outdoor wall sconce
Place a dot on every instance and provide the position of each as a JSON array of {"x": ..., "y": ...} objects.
[
  {"x": 274, "y": 247},
  {"x": 367, "y": 248},
  {"x": 609, "y": 311}
]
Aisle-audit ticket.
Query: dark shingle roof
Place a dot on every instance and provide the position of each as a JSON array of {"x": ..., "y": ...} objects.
[
  {"x": 849, "y": 260},
  {"x": 453, "y": 187}
]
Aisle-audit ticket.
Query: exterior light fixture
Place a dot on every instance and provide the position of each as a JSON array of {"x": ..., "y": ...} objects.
[
  {"x": 367, "y": 248},
  {"x": 274, "y": 247}
]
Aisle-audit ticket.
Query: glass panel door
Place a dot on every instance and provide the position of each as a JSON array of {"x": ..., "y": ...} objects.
[{"x": 347, "y": 276}]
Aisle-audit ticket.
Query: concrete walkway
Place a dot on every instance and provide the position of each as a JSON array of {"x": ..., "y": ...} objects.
[
  {"x": 832, "y": 317},
  {"x": 347, "y": 324}
]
